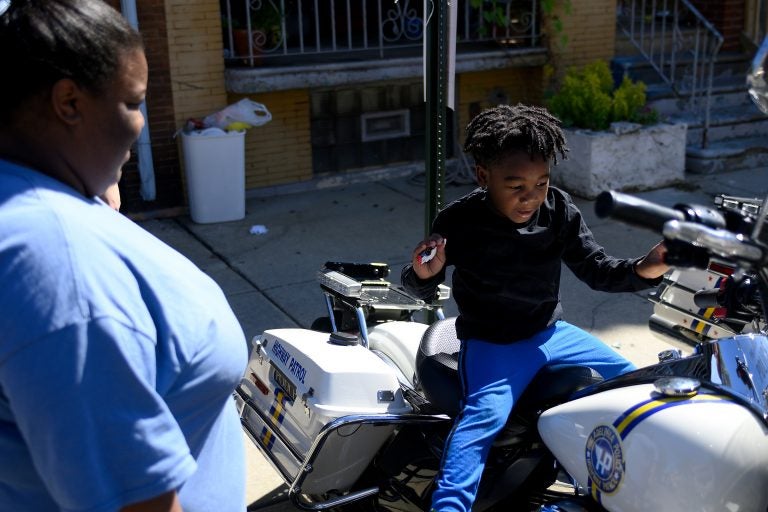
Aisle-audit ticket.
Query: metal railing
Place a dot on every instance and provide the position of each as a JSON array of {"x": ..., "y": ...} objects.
[
  {"x": 680, "y": 44},
  {"x": 283, "y": 31}
]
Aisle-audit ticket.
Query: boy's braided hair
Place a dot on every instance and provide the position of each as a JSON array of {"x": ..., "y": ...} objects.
[{"x": 504, "y": 129}]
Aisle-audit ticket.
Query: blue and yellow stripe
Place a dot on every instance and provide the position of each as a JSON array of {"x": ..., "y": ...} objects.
[
  {"x": 635, "y": 415},
  {"x": 277, "y": 414}
]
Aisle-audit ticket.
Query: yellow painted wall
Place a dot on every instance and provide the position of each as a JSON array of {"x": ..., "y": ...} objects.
[
  {"x": 278, "y": 152},
  {"x": 195, "y": 54},
  {"x": 485, "y": 89},
  {"x": 281, "y": 150},
  {"x": 590, "y": 29},
  {"x": 196, "y": 57}
]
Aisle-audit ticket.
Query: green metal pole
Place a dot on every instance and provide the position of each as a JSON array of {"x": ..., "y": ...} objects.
[{"x": 436, "y": 56}]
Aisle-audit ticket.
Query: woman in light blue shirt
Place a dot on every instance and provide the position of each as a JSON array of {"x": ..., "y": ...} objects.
[{"x": 118, "y": 357}]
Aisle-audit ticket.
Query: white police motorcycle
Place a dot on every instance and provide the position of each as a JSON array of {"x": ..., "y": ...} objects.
[
  {"x": 359, "y": 416},
  {"x": 354, "y": 413}
]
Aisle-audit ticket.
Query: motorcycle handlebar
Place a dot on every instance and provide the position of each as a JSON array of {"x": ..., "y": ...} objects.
[
  {"x": 717, "y": 241},
  {"x": 635, "y": 211},
  {"x": 675, "y": 225}
]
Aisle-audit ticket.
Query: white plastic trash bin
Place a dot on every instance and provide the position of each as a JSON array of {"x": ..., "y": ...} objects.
[{"x": 215, "y": 169}]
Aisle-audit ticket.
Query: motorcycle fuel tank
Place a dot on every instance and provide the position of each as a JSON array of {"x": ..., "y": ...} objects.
[
  {"x": 299, "y": 388},
  {"x": 634, "y": 449}
]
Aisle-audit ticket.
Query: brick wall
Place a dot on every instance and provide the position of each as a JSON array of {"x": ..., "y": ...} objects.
[
  {"x": 590, "y": 29},
  {"x": 279, "y": 151},
  {"x": 484, "y": 89},
  {"x": 195, "y": 62},
  {"x": 161, "y": 122},
  {"x": 728, "y": 17}
]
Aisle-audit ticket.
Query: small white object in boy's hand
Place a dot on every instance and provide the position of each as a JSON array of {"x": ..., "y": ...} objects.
[{"x": 427, "y": 254}]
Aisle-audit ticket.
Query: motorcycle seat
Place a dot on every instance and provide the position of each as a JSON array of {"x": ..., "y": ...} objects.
[{"x": 438, "y": 379}]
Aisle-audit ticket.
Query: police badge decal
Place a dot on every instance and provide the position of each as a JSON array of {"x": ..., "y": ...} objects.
[{"x": 605, "y": 459}]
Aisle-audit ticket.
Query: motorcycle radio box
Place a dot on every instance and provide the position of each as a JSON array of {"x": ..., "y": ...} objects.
[
  {"x": 318, "y": 405},
  {"x": 675, "y": 313}
]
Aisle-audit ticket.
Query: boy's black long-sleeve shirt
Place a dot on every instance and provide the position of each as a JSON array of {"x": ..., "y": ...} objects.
[{"x": 506, "y": 280}]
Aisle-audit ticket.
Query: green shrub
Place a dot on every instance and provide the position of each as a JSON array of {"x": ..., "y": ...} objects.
[{"x": 588, "y": 99}]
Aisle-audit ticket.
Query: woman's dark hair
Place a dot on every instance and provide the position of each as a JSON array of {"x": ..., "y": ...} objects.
[
  {"x": 505, "y": 129},
  {"x": 43, "y": 41}
]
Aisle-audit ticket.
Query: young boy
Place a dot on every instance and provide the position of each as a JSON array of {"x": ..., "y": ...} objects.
[{"x": 508, "y": 239}]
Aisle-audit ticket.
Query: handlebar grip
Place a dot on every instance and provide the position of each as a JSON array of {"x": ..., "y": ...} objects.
[
  {"x": 709, "y": 298},
  {"x": 636, "y": 211}
]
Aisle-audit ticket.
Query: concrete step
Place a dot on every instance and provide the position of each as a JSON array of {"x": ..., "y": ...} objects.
[
  {"x": 727, "y": 155},
  {"x": 725, "y": 123},
  {"x": 730, "y": 71},
  {"x": 668, "y": 104},
  {"x": 660, "y": 37},
  {"x": 737, "y": 138}
]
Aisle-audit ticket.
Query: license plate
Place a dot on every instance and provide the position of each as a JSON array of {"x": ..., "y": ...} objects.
[{"x": 284, "y": 382}]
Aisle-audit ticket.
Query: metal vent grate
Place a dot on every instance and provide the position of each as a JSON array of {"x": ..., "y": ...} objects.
[{"x": 385, "y": 125}]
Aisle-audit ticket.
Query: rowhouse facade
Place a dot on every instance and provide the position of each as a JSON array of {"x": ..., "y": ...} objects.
[{"x": 342, "y": 78}]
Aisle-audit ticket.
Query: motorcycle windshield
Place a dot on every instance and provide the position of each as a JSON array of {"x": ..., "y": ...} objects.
[
  {"x": 760, "y": 232},
  {"x": 757, "y": 83},
  {"x": 740, "y": 365},
  {"x": 756, "y": 79}
]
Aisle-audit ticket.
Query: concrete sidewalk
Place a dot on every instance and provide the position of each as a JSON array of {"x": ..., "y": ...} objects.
[{"x": 269, "y": 278}]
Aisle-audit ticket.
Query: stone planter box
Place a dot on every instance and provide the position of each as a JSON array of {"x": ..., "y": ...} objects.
[{"x": 627, "y": 157}]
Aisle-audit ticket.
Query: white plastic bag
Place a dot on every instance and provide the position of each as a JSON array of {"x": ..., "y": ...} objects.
[{"x": 235, "y": 116}]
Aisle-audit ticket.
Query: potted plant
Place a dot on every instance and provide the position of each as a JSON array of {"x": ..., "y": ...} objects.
[
  {"x": 493, "y": 15},
  {"x": 265, "y": 32},
  {"x": 615, "y": 140},
  {"x": 238, "y": 46},
  {"x": 267, "y": 26}
]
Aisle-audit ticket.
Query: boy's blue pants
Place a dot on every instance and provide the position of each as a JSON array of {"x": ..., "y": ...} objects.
[{"x": 493, "y": 376}]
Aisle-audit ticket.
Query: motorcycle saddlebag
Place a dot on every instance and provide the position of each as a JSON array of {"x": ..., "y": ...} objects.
[{"x": 318, "y": 409}]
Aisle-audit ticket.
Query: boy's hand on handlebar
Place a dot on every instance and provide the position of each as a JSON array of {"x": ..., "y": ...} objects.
[
  {"x": 653, "y": 265},
  {"x": 428, "y": 258}
]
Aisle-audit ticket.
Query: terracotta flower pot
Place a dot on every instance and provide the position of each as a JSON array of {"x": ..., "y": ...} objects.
[{"x": 240, "y": 39}]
